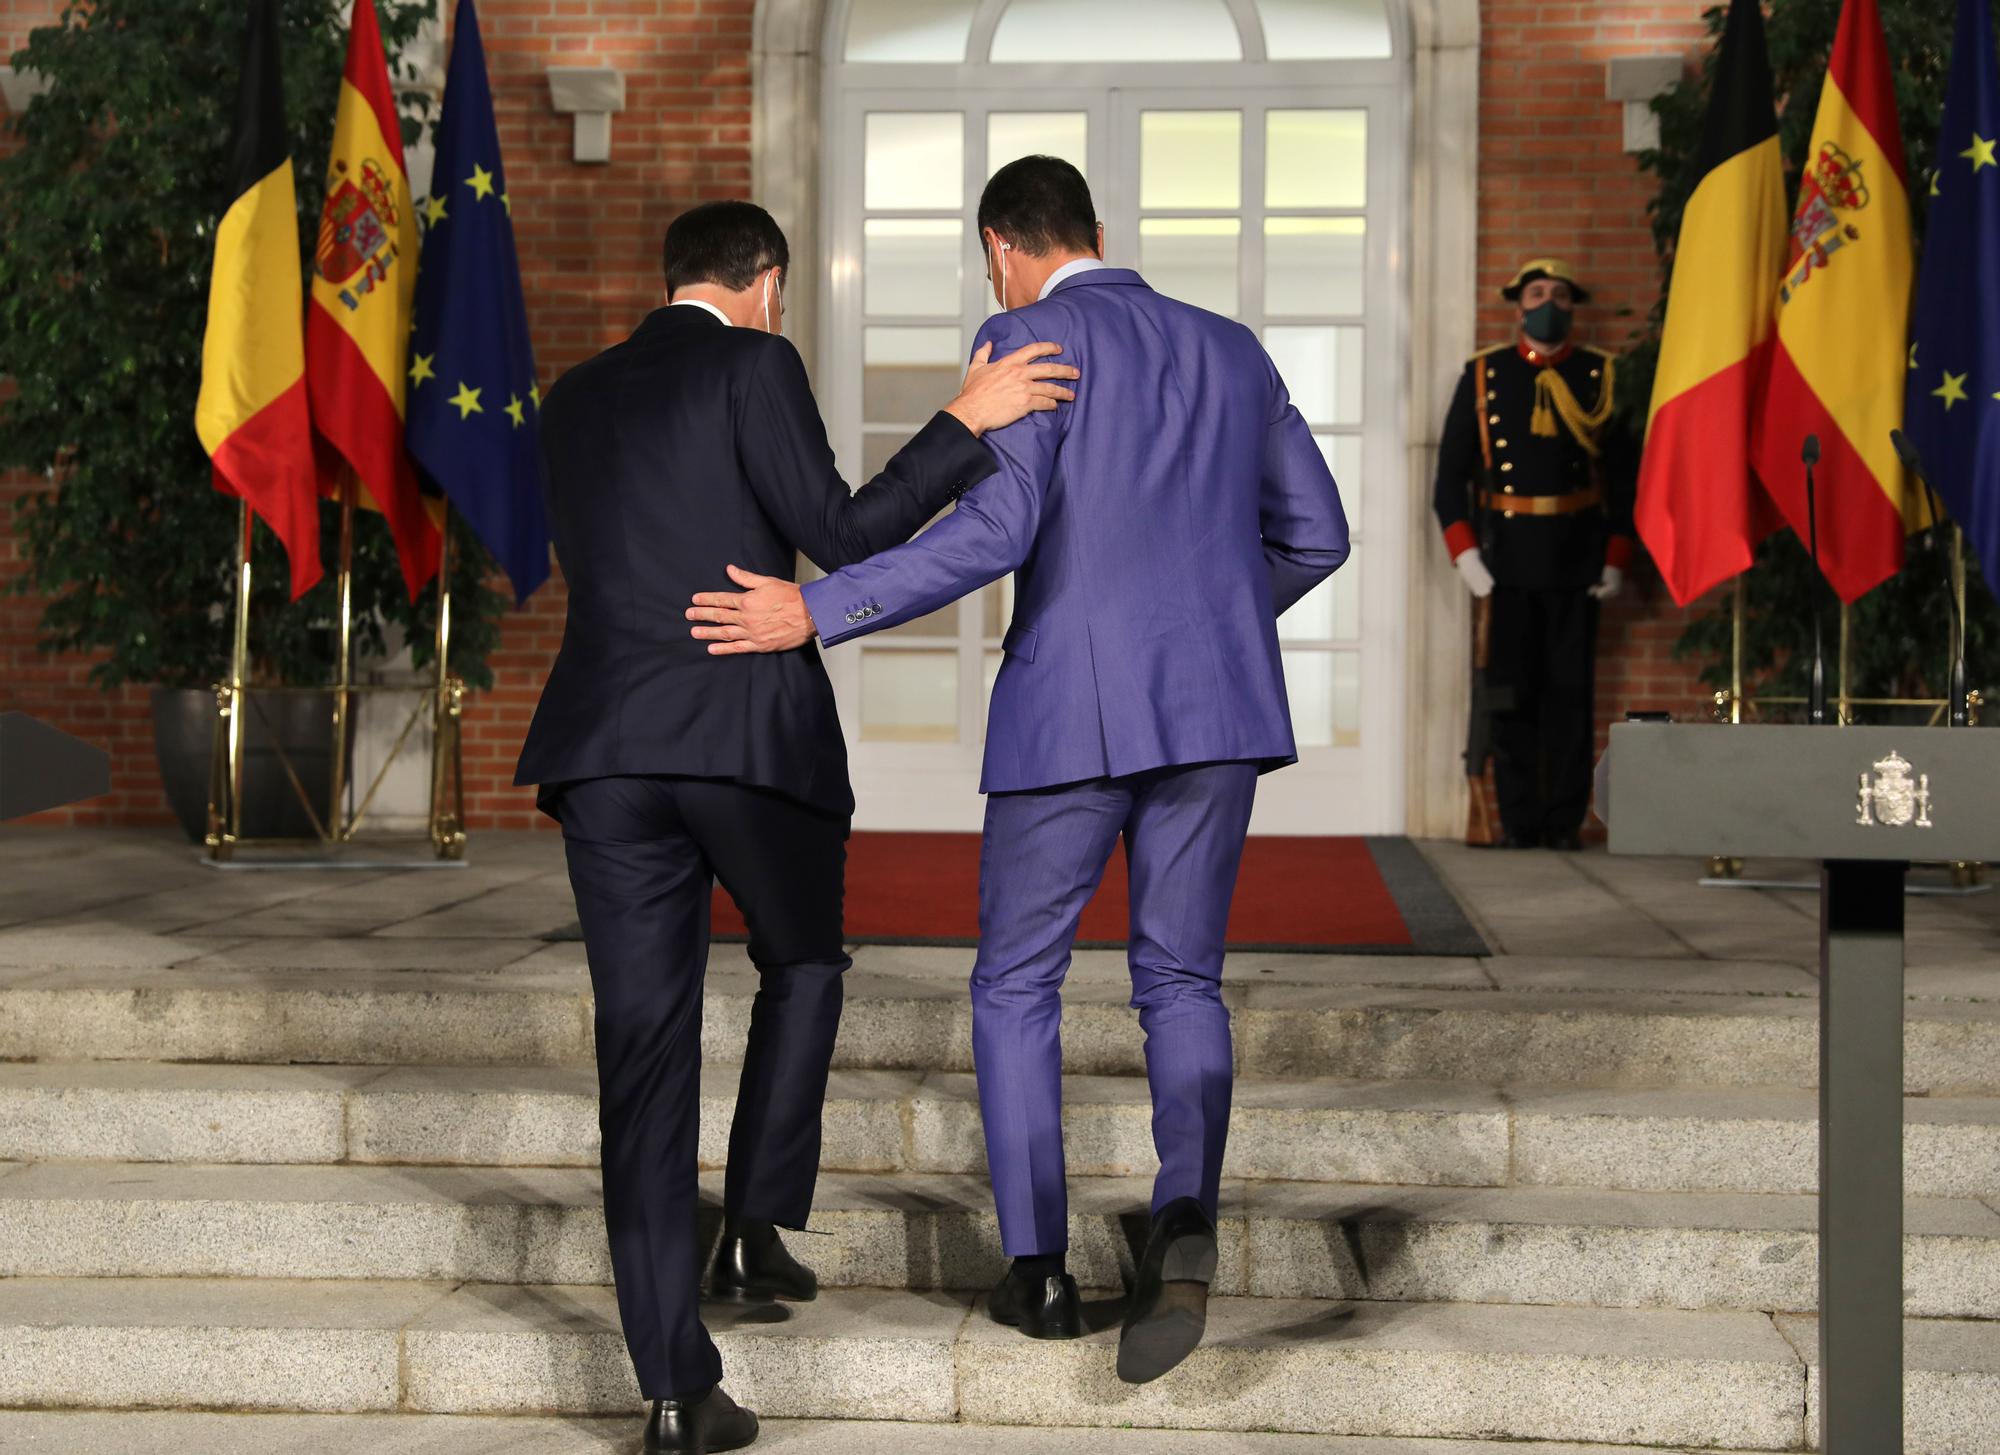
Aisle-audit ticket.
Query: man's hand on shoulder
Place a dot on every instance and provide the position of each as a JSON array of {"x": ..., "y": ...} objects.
[
  {"x": 768, "y": 615},
  {"x": 998, "y": 392}
]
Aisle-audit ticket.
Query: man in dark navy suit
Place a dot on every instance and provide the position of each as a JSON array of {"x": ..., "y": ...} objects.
[{"x": 694, "y": 444}]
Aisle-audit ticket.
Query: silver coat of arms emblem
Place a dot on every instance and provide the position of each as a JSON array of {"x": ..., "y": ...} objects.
[{"x": 1893, "y": 798}]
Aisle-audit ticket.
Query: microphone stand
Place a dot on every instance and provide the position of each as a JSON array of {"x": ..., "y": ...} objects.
[{"x": 1816, "y": 693}]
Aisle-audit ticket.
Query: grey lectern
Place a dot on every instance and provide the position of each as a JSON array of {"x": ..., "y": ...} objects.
[
  {"x": 1865, "y": 801},
  {"x": 44, "y": 767}
]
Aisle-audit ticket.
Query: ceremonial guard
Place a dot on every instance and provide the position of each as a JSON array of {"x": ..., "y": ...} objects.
[{"x": 1534, "y": 495}]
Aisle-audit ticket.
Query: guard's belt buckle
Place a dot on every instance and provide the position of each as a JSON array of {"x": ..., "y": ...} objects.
[{"x": 1544, "y": 504}]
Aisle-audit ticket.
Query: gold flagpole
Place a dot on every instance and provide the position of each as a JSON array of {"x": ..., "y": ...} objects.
[
  {"x": 447, "y": 812},
  {"x": 1843, "y": 706},
  {"x": 225, "y": 809},
  {"x": 1958, "y": 601},
  {"x": 336, "y": 819},
  {"x": 1736, "y": 651}
]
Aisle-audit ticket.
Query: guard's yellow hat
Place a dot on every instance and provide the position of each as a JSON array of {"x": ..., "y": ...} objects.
[{"x": 1544, "y": 268}]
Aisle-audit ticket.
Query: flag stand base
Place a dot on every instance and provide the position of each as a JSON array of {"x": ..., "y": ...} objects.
[{"x": 336, "y": 838}]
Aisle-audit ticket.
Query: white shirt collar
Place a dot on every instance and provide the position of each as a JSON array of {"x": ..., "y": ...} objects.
[
  {"x": 701, "y": 303},
  {"x": 1069, "y": 270}
]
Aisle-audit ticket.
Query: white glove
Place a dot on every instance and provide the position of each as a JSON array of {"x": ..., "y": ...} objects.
[
  {"x": 1609, "y": 584},
  {"x": 1472, "y": 566}
]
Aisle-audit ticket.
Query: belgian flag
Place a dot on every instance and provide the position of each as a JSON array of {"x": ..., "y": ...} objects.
[
  {"x": 251, "y": 413},
  {"x": 1700, "y": 509}
]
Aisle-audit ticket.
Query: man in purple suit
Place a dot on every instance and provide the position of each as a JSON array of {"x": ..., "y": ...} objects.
[{"x": 1159, "y": 526}]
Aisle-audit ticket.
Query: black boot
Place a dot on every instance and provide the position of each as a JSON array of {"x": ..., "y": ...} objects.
[
  {"x": 698, "y": 1426},
  {"x": 1169, "y": 1308},
  {"x": 1038, "y": 1297},
  {"x": 752, "y": 1266}
]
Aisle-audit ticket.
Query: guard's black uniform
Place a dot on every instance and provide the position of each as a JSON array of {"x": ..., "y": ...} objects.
[{"x": 1547, "y": 521}]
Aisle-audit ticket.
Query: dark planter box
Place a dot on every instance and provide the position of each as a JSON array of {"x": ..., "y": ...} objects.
[{"x": 184, "y": 738}]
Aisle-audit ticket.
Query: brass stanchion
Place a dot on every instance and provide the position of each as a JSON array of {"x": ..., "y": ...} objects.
[
  {"x": 337, "y": 824},
  {"x": 1843, "y": 704},
  {"x": 225, "y": 779},
  {"x": 447, "y": 778},
  {"x": 1736, "y": 612},
  {"x": 1722, "y": 866}
]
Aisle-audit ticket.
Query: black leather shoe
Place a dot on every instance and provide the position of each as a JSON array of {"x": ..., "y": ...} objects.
[
  {"x": 752, "y": 1266},
  {"x": 1565, "y": 843},
  {"x": 1042, "y": 1308},
  {"x": 702, "y": 1426},
  {"x": 1169, "y": 1308},
  {"x": 1513, "y": 841}
]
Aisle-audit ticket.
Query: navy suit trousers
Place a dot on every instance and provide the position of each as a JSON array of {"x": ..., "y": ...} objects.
[
  {"x": 644, "y": 854},
  {"x": 1043, "y": 856}
]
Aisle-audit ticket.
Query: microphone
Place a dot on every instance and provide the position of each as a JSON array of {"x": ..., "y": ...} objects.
[
  {"x": 1816, "y": 693},
  {"x": 1955, "y": 714}
]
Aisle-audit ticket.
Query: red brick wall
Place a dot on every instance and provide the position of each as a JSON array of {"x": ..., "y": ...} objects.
[{"x": 1553, "y": 178}]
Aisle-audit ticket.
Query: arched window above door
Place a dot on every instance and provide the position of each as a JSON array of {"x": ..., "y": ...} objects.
[{"x": 1065, "y": 32}]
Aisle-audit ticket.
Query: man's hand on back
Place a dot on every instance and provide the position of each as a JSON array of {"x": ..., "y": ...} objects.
[
  {"x": 768, "y": 616},
  {"x": 996, "y": 394}
]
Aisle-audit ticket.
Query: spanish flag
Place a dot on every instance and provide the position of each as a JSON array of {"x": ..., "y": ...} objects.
[
  {"x": 251, "y": 412},
  {"x": 358, "y": 323},
  {"x": 1844, "y": 321},
  {"x": 1700, "y": 509}
]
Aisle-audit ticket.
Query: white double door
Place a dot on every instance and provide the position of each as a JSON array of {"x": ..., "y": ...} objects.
[{"x": 1281, "y": 208}]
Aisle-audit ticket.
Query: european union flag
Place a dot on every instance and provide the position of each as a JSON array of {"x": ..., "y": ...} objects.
[
  {"x": 1952, "y": 410},
  {"x": 473, "y": 396}
]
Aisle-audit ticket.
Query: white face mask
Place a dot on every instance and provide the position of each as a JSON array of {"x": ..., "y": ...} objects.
[{"x": 767, "y": 303}]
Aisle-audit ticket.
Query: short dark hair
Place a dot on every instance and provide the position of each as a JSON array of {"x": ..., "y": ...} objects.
[
  {"x": 1040, "y": 204},
  {"x": 726, "y": 243}
]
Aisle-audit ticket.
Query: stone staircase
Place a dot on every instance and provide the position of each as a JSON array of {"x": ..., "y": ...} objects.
[{"x": 260, "y": 1196}]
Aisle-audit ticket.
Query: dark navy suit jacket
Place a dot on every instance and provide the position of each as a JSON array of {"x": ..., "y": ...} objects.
[
  {"x": 1160, "y": 525},
  {"x": 687, "y": 447}
]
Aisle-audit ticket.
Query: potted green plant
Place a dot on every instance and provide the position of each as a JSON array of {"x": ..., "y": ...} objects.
[{"x": 108, "y": 210}]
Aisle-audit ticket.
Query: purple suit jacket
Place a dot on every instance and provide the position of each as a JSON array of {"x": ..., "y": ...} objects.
[{"x": 1159, "y": 525}]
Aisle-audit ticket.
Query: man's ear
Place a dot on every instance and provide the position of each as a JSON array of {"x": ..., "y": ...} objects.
[{"x": 1100, "y": 242}]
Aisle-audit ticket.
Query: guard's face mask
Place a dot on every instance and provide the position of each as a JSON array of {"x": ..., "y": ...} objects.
[{"x": 1549, "y": 322}]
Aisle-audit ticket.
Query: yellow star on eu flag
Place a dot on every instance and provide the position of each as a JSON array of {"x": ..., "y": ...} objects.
[
  {"x": 514, "y": 410},
  {"x": 1913, "y": 353},
  {"x": 535, "y": 394},
  {"x": 481, "y": 181},
  {"x": 420, "y": 368},
  {"x": 1980, "y": 153},
  {"x": 433, "y": 210},
  {"x": 508, "y": 203},
  {"x": 1951, "y": 391},
  {"x": 467, "y": 400}
]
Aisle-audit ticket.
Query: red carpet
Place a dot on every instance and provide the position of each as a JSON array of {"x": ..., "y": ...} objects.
[{"x": 1295, "y": 894}]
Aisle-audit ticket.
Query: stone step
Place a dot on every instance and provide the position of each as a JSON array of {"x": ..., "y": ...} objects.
[
  {"x": 1651, "y": 1377},
  {"x": 1318, "y": 1016},
  {"x": 937, "y": 1231},
  {"x": 1427, "y": 1133},
  {"x": 91, "y": 1432}
]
